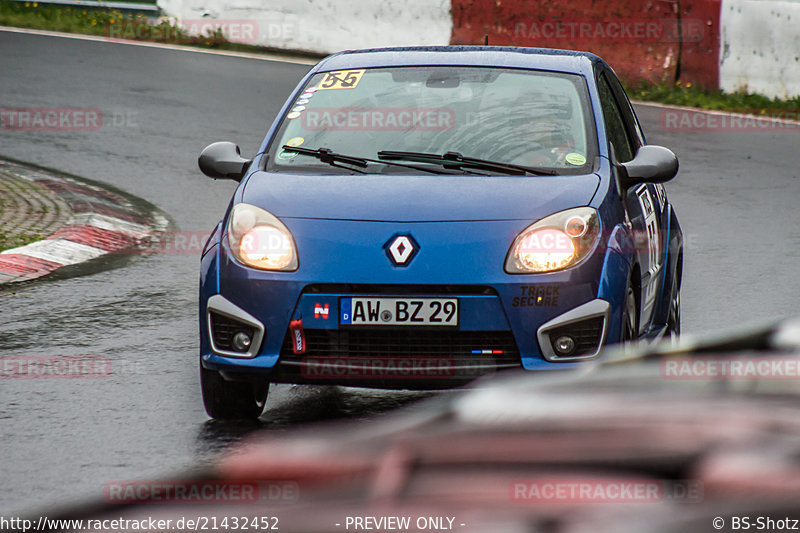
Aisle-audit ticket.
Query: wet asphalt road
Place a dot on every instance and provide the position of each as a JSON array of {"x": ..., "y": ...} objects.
[{"x": 736, "y": 198}]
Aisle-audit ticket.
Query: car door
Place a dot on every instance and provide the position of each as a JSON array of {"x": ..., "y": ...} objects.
[{"x": 645, "y": 203}]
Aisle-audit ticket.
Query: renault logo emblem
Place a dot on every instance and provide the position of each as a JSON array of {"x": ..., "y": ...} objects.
[{"x": 401, "y": 249}]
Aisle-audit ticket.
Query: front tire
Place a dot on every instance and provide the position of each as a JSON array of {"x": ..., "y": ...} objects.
[
  {"x": 674, "y": 321},
  {"x": 674, "y": 318},
  {"x": 630, "y": 317},
  {"x": 230, "y": 400}
]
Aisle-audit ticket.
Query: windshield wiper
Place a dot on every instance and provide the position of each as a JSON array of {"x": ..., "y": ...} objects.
[
  {"x": 328, "y": 156},
  {"x": 456, "y": 161}
]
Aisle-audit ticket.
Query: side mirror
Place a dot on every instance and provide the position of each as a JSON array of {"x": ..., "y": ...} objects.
[
  {"x": 652, "y": 164},
  {"x": 223, "y": 160}
]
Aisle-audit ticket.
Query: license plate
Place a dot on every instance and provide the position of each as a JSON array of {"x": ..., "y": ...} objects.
[{"x": 398, "y": 312}]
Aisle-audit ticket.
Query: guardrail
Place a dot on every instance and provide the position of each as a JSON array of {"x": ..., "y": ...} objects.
[{"x": 131, "y": 7}]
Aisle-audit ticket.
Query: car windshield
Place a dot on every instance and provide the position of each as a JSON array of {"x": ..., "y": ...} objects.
[{"x": 522, "y": 117}]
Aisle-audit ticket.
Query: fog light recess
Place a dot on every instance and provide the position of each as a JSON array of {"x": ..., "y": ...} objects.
[
  {"x": 564, "y": 345},
  {"x": 578, "y": 339},
  {"x": 232, "y": 331},
  {"x": 241, "y": 341},
  {"x": 576, "y": 335}
]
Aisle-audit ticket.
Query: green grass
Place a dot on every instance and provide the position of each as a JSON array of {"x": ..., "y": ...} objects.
[
  {"x": 117, "y": 24},
  {"x": 7, "y": 242},
  {"x": 106, "y": 22},
  {"x": 691, "y": 96},
  {"x": 58, "y": 18}
]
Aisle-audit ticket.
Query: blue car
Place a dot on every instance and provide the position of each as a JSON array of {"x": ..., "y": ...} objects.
[{"x": 419, "y": 217}]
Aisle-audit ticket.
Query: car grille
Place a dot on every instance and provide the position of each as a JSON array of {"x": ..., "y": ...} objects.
[
  {"x": 408, "y": 342},
  {"x": 586, "y": 333}
]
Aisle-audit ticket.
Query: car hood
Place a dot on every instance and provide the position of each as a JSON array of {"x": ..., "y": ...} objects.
[{"x": 398, "y": 198}]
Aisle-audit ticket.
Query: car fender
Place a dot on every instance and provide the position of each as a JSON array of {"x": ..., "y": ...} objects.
[
  {"x": 209, "y": 285},
  {"x": 617, "y": 267},
  {"x": 674, "y": 252},
  {"x": 213, "y": 239}
]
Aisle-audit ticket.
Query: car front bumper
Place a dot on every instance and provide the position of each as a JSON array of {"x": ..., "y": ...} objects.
[{"x": 505, "y": 321}]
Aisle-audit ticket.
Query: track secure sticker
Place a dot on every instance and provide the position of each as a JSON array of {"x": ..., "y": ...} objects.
[
  {"x": 576, "y": 159},
  {"x": 295, "y": 141},
  {"x": 537, "y": 296},
  {"x": 341, "y": 79}
]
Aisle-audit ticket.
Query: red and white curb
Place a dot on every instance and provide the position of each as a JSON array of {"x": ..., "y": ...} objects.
[{"x": 102, "y": 222}]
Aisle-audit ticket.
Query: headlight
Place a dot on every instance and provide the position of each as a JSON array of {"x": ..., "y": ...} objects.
[
  {"x": 259, "y": 240},
  {"x": 555, "y": 242}
]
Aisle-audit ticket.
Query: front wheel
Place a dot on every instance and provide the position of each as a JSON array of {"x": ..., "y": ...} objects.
[
  {"x": 229, "y": 400},
  {"x": 630, "y": 322},
  {"x": 630, "y": 317},
  {"x": 674, "y": 317},
  {"x": 674, "y": 322}
]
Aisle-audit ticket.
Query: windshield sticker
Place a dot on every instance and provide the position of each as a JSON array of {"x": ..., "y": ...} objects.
[
  {"x": 295, "y": 141},
  {"x": 287, "y": 154},
  {"x": 576, "y": 159},
  {"x": 299, "y": 108},
  {"x": 303, "y": 101},
  {"x": 306, "y": 95},
  {"x": 311, "y": 90},
  {"x": 293, "y": 115},
  {"x": 341, "y": 79}
]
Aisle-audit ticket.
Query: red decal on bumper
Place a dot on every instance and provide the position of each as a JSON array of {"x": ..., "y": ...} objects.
[{"x": 298, "y": 336}]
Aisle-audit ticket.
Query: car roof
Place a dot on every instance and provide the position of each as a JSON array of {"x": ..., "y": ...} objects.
[{"x": 568, "y": 61}]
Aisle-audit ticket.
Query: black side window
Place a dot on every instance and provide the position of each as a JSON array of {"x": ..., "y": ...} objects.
[
  {"x": 615, "y": 124},
  {"x": 627, "y": 111}
]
